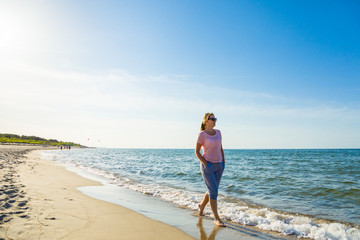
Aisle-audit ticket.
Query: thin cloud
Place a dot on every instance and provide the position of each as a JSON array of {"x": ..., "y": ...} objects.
[
  {"x": 120, "y": 90},
  {"x": 103, "y": 103}
]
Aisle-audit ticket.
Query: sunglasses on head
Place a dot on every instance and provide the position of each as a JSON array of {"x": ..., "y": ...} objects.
[{"x": 212, "y": 119}]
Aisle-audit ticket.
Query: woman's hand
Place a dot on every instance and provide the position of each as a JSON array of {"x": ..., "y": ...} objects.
[
  {"x": 199, "y": 156},
  {"x": 204, "y": 163}
]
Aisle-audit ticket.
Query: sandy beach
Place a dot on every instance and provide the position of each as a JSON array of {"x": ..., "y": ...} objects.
[{"x": 39, "y": 200}]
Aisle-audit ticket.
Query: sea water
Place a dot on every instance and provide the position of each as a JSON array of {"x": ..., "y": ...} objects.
[{"x": 306, "y": 193}]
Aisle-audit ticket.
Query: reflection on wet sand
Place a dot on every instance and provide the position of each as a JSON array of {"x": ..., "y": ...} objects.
[{"x": 203, "y": 235}]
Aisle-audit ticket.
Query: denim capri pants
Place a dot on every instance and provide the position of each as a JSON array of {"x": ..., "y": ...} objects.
[{"x": 212, "y": 175}]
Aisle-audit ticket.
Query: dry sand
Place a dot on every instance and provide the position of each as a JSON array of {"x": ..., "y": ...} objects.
[{"x": 39, "y": 200}]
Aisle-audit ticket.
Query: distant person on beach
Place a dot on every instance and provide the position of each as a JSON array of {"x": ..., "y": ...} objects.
[{"x": 212, "y": 163}]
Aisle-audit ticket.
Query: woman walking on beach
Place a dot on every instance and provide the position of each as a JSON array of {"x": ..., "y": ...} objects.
[{"x": 212, "y": 163}]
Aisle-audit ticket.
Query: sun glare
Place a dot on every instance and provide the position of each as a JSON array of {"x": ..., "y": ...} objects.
[
  {"x": 20, "y": 32},
  {"x": 12, "y": 30}
]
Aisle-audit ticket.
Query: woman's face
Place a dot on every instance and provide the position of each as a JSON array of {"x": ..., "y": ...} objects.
[{"x": 210, "y": 122}]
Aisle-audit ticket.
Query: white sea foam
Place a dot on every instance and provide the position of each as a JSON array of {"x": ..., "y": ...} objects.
[
  {"x": 236, "y": 211},
  {"x": 264, "y": 218}
]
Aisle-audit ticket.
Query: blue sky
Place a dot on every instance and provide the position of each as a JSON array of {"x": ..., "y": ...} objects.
[{"x": 277, "y": 74}]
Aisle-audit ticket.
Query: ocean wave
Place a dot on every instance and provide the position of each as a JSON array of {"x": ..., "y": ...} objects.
[{"x": 263, "y": 218}]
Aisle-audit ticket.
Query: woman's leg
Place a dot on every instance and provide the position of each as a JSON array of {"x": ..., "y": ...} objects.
[
  {"x": 218, "y": 171},
  {"x": 212, "y": 175},
  {"x": 217, "y": 221},
  {"x": 203, "y": 204}
]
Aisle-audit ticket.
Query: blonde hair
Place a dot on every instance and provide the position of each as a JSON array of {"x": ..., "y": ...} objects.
[{"x": 205, "y": 118}]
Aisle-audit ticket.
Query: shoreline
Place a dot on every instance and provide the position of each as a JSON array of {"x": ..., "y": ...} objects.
[
  {"x": 59, "y": 203},
  {"x": 167, "y": 212},
  {"x": 40, "y": 200}
]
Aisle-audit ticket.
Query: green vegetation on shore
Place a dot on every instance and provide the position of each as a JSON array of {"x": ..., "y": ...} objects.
[{"x": 13, "y": 138}]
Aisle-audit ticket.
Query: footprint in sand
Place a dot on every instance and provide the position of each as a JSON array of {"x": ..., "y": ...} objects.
[
  {"x": 22, "y": 204},
  {"x": 2, "y": 216},
  {"x": 7, "y": 205}
]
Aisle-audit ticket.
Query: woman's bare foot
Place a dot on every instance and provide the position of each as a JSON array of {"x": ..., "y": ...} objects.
[
  {"x": 201, "y": 212},
  {"x": 219, "y": 223}
]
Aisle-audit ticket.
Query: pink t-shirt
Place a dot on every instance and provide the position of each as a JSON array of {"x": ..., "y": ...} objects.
[{"x": 211, "y": 146}]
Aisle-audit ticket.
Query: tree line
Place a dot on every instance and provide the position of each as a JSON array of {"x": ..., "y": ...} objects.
[{"x": 14, "y": 138}]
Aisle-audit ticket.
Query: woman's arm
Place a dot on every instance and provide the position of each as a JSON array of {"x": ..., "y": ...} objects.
[
  {"x": 198, "y": 154},
  {"x": 222, "y": 153}
]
